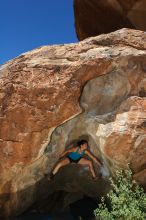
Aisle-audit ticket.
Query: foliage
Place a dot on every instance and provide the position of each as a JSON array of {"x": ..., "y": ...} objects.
[{"x": 127, "y": 200}]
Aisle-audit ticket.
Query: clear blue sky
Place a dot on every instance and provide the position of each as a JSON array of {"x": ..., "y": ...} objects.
[{"x": 28, "y": 24}]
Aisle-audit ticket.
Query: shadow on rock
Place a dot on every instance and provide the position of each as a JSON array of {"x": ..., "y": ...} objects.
[
  {"x": 71, "y": 184},
  {"x": 74, "y": 188}
]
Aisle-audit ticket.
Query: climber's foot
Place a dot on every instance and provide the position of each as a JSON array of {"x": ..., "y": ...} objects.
[
  {"x": 46, "y": 174},
  {"x": 51, "y": 176},
  {"x": 95, "y": 177}
]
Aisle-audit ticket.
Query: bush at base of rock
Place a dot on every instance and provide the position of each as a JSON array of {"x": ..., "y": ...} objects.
[{"x": 127, "y": 200}]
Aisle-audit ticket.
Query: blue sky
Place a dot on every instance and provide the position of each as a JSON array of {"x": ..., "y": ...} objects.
[{"x": 28, "y": 24}]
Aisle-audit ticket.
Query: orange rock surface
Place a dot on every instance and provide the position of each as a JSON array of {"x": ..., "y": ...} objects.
[
  {"x": 96, "y": 17},
  {"x": 52, "y": 95}
]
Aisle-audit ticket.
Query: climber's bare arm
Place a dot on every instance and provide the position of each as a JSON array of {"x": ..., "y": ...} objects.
[
  {"x": 72, "y": 149},
  {"x": 93, "y": 157}
]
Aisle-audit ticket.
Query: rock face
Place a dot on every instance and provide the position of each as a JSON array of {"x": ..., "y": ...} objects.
[
  {"x": 96, "y": 17},
  {"x": 53, "y": 95}
]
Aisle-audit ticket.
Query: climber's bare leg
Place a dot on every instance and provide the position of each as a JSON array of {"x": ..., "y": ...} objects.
[
  {"x": 88, "y": 163},
  {"x": 60, "y": 164}
]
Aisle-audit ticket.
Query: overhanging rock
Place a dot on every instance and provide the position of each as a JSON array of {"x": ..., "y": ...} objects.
[{"x": 51, "y": 96}]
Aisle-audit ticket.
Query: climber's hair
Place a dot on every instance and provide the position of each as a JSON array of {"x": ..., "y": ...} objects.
[{"x": 81, "y": 142}]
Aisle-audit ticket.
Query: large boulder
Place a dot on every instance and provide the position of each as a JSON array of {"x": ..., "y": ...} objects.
[
  {"x": 51, "y": 96},
  {"x": 96, "y": 17}
]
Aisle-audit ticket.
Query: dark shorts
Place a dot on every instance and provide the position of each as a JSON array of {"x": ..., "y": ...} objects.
[{"x": 74, "y": 161}]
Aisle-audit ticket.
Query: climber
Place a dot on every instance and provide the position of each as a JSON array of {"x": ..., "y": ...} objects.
[{"x": 76, "y": 155}]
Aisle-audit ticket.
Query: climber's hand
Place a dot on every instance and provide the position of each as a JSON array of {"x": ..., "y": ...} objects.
[{"x": 61, "y": 155}]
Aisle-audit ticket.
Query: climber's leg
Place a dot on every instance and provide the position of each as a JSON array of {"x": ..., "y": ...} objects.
[
  {"x": 88, "y": 163},
  {"x": 60, "y": 164}
]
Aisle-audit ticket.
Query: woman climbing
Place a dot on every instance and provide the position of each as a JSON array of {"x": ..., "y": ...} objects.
[{"x": 76, "y": 155}]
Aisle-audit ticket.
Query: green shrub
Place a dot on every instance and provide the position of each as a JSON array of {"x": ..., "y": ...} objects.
[{"x": 127, "y": 200}]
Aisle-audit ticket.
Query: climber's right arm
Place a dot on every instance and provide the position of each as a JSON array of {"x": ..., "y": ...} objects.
[{"x": 67, "y": 151}]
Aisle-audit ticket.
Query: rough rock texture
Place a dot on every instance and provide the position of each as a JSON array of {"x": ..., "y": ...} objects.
[
  {"x": 51, "y": 96},
  {"x": 96, "y": 17}
]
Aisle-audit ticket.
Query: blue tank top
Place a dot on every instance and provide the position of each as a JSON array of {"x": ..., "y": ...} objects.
[{"x": 76, "y": 155}]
